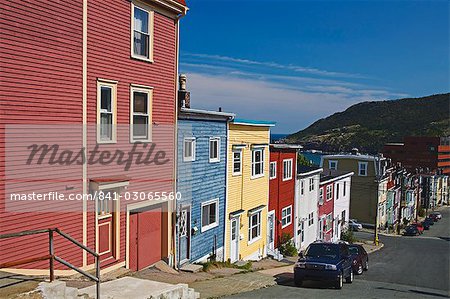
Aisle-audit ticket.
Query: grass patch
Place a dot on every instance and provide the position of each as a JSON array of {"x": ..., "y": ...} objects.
[{"x": 208, "y": 266}]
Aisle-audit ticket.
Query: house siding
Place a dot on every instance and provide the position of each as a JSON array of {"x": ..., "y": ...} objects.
[
  {"x": 200, "y": 181},
  {"x": 246, "y": 193}
]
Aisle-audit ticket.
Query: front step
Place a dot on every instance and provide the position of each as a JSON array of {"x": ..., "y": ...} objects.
[{"x": 192, "y": 268}]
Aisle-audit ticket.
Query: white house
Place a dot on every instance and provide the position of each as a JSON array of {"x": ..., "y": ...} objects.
[
  {"x": 306, "y": 205},
  {"x": 341, "y": 209}
]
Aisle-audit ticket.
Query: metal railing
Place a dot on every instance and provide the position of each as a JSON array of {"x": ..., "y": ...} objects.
[{"x": 52, "y": 257}]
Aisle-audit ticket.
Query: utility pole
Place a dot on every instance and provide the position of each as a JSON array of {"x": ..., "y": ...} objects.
[{"x": 377, "y": 176}]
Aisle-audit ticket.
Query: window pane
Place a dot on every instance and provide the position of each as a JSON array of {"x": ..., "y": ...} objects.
[
  {"x": 140, "y": 126},
  {"x": 106, "y": 126},
  {"x": 205, "y": 215},
  {"x": 140, "y": 20},
  {"x": 140, "y": 102},
  {"x": 212, "y": 213},
  {"x": 106, "y": 98},
  {"x": 141, "y": 44},
  {"x": 188, "y": 148}
]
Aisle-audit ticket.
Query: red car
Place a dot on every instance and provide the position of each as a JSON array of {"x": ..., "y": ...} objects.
[{"x": 419, "y": 227}]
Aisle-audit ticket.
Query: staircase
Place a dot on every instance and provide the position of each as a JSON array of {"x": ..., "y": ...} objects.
[{"x": 275, "y": 254}]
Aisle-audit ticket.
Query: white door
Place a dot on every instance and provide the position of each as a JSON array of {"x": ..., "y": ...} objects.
[
  {"x": 271, "y": 231},
  {"x": 234, "y": 245}
]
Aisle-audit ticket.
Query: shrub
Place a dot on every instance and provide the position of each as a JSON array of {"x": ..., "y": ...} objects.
[
  {"x": 287, "y": 246},
  {"x": 421, "y": 212},
  {"x": 348, "y": 236}
]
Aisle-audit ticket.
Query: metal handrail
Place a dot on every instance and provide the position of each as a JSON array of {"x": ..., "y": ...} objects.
[{"x": 52, "y": 257}]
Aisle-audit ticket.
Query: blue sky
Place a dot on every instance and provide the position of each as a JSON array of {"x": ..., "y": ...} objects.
[{"x": 295, "y": 62}]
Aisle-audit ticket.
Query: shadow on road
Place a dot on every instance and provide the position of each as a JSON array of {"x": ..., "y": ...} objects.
[
  {"x": 414, "y": 291},
  {"x": 287, "y": 280}
]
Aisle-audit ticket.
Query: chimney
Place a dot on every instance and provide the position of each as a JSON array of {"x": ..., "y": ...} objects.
[
  {"x": 184, "y": 96},
  {"x": 220, "y": 109}
]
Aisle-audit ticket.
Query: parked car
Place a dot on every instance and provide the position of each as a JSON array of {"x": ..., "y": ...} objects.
[
  {"x": 354, "y": 225},
  {"x": 434, "y": 217},
  {"x": 426, "y": 225},
  {"x": 437, "y": 215},
  {"x": 324, "y": 262},
  {"x": 360, "y": 262},
  {"x": 429, "y": 220},
  {"x": 411, "y": 230},
  {"x": 419, "y": 226}
]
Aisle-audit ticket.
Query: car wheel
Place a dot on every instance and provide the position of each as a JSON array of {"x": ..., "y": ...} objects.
[
  {"x": 367, "y": 266},
  {"x": 340, "y": 281},
  {"x": 360, "y": 269},
  {"x": 349, "y": 279},
  {"x": 298, "y": 282}
]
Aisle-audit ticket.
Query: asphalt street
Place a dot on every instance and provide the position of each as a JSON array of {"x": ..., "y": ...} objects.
[{"x": 406, "y": 267}]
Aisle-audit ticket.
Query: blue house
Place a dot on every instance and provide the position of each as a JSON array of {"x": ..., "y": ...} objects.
[{"x": 201, "y": 183}]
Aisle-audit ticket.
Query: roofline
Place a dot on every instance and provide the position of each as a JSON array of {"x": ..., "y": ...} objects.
[
  {"x": 173, "y": 5},
  {"x": 338, "y": 178},
  {"x": 249, "y": 122},
  {"x": 286, "y": 146},
  {"x": 208, "y": 112},
  {"x": 350, "y": 156},
  {"x": 309, "y": 173}
]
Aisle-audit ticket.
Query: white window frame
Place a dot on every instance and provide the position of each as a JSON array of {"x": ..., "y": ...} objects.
[
  {"x": 239, "y": 151},
  {"x": 252, "y": 225},
  {"x": 287, "y": 175},
  {"x": 214, "y": 224},
  {"x": 344, "y": 191},
  {"x": 320, "y": 196},
  {"x": 310, "y": 218},
  {"x": 217, "y": 159},
  {"x": 253, "y": 176},
  {"x": 366, "y": 164},
  {"x": 113, "y": 86},
  {"x": 302, "y": 187},
  {"x": 273, "y": 174},
  {"x": 193, "y": 142},
  {"x": 311, "y": 184},
  {"x": 151, "y": 21},
  {"x": 329, "y": 192},
  {"x": 330, "y": 163},
  {"x": 337, "y": 191},
  {"x": 149, "y": 91},
  {"x": 286, "y": 220}
]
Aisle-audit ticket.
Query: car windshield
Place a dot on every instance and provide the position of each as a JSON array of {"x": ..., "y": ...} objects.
[
  {"x": 353, "y": 250},
  {"x": 322, "y": 250}
]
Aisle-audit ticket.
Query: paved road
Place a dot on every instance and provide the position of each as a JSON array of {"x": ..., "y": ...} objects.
[{"x": 407, "y": 267}]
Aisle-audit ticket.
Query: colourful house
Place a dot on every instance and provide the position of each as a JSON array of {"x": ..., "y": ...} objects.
[
  {"x": 248, "y": 190},
  {"x": 201, "y": 183},
  {"x": 282, "y": 170}
]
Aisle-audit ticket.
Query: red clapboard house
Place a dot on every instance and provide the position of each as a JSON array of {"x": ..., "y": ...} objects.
[
  {"x": 281, "y": 216},
  {"x": 95, "y": 82},
  {"x": 326, "y": 207}
]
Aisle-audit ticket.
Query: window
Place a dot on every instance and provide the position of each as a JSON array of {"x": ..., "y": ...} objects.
[
  {"x": 287, "y": 169},
  {"x": 140, "y": 118},
  {"x": 302, "y": 187},
  {"x": 286, "y": 216},
  {"x": 345, "y": 187},
  {"x": 257, "y": 163},
  {"x": 328, "y": 223},
  {"x": 329, "y": 192},
  {"x": 106, "y": 111},
  {"x": 311, "y": 184},
  {"x": 332, "y": 165},
  {"x": 214, "y": 149},
  {"x": 254, "y": 226},
  {"x": 301, "y": 230},
  {"x": 337, "y": 190},
  {"x": 310, "y": 218},
  {"x": 142, "y": 33},
  {"x": 273, "y": 170},
  {"x": 105, "y": 203},
  {"x": 362, "y": 168},
  {"x": 237, "y": 162},
  {"x": 320, "y": 196},
  {"x": 189, "y": 149},
  {"x": 343, "y": 217},
  {"x": 210, "y": 211}
]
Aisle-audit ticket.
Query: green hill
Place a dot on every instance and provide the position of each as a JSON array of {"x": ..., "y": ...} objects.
[{"x": 369, "y": 125}]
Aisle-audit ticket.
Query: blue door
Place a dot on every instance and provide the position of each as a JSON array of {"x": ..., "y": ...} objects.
[{"x": 184, "y": 234}]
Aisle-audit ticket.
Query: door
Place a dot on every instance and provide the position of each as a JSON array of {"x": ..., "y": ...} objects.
[
  {"x": 234, "y": 238},
  {"x": 145, "y": 244},
  {"x": 271, "y": 231},
  {"x": 184, "y": 228},
  {"x": 106, "y": 212}
]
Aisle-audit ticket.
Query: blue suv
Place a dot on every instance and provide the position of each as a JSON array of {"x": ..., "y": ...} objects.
[{"x": 324, "y": 262}]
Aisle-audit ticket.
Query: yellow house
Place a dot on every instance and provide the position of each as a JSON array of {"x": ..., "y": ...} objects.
[{"x": 247, "y": 189}]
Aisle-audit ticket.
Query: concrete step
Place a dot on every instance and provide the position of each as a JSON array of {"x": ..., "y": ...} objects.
[{"x": 193, "y": 268}]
